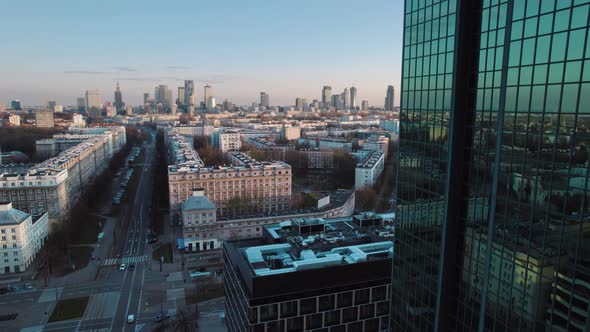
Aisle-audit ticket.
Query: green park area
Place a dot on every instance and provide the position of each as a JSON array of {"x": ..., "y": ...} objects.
[{"x": 69, "y": 309}]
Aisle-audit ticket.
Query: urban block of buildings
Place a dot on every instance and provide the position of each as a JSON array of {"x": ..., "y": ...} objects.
[
  {"x": 312, "y": 275},
  {"x": 226, "y": 140},
  {"x": 54, "y": 185},
  {"x": 22, "y": 235},
  {"x": 266, "y": 186},
  {"x": 368, "y": 169}
]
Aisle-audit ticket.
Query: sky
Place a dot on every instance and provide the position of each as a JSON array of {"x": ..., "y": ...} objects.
[{"x": 55, "y": 50}]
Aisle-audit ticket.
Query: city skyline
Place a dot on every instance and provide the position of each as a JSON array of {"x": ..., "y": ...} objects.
[{"x": 238, "y": 73}]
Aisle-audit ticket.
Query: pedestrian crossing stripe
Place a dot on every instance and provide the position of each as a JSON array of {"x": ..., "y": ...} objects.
[{"x": 123, "y": 260}]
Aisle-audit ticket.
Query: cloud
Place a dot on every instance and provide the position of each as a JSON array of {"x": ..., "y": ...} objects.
[
  {"x": 86, "y": 72},
  {"x": 177, "y": 67},
  {"x": 127, "y": 69}
]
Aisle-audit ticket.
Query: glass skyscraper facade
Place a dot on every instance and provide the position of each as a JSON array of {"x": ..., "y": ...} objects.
[{"x": 493, "y": 201}]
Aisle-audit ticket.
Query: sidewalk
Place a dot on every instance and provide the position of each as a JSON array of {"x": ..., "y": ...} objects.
[{"x": 89, "y": 273}]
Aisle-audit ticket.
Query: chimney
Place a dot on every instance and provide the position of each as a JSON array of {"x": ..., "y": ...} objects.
[
  {"x": 199, "y": 192},
  {"x": 5, "y": 206}
]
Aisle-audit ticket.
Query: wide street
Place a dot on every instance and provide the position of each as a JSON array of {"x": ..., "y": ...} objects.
[{"x": 113, "y": 294}]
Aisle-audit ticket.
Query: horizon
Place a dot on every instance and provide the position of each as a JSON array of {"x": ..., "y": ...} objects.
[{"x": 251, "y": 48}]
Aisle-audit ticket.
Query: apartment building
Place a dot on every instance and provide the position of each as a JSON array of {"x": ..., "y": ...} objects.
[
  {"x": 319, "y": 159},
  {"x": 14, "y": 120},
  {"x": 263, "y": 143},
  {"x": 44, "y": 118},
  {"x": 54, "y": 185},
  {"x": 311, "y": 275},
  {"x": 570, "y": 298},
  {"x": 199, "y": 230},
  {"x": 326, "y": 143},
  {"x": 368, "y": 170},
  {"x": 290, "y": 133},
  {"x": 191, "y": 130},
  {"x": 265, "y": 186},
  {"x": 377, "y": 142},
  {"x": 226, "y": 140},
  {"x": 21, "y": 237}
]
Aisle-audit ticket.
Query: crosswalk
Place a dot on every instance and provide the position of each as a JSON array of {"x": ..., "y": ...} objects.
[{"x": 123, "y": 260}]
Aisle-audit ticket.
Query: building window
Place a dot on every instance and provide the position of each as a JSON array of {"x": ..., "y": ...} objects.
[
  {"x": 313, "y": 321},
  {"x": 307, "y": 306},
  {"x": 367, "y": 311},
  {"x": 379, "y": 293},
  {"x": 350, "y": 314},
  {"x": 361, "y": 296},
  {"x": 288, "y": 309},
  {"x": 344, "y": 299},
  {"x": 332, "y": 318},
  {"x": 268, "y": 312},
  {"x": 295, "y": 324}
]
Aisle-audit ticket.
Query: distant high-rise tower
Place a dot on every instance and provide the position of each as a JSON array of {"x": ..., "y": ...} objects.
[
  {"x": 326, "y": 95},
  {"x": 264, "y": 99},
  {"x": 15, "y": 105},
  {"x": 93, "y": 103},
  {"x": 189, "y": 93},
  {"x": 299, "y": 102},
  {"x": 389, "y": 98},
  {"x": 336, "y": 101},
  {"x": 80, "y": 102},
  {"x": 353, "y": 98},
  {"x": 365, "y": 106},
  {"x": 207, "y": 92},
  {"x": 119, "y": 104},
  {"x": 181, "y": 92},
  {"x": 51, "y": 105},
  {"x": 346, "y": 97},
  {"x": 164, "y": 95},
  {"x": 146, "y": 97},
  {"x": 210, "y": 103}
]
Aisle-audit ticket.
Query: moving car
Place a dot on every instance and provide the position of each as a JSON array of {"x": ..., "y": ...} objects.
[
  {"x": 131, "y": 267},
  {"x": 122, "y": 267},
  {"x": 130, "y": 319}
]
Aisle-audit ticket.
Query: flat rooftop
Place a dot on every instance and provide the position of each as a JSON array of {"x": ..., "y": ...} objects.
[{"x": 315, "y": 253}]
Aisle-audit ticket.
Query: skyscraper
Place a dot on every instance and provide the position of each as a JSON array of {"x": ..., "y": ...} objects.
[
  {"x": 15, "y": 105},
  {"x": 336, "y": 101},
  {"x": 346, "y": 98},
  {"x": 93, "y": 103},
  {"x": 146, "y": 97},
  {"x": 299, "y": 102},
  {"x": 210, "y": 103},
  {"x": 163, "y": 95},
  {"x": 207, "y": 92},
  {"x": 51, "y": 105},
  {"x": 264, "y": 99},
  {"x": 493, "y": 167},
  {"x": 326, "y": 95},
  {"x": 119, "y": 104},
  {"x": 189, "y": 93},
  {"x": 365, "y": 106},
  {"x": 181, "y": 98},
  {"x": 389, "y": 98},
  {"x": 80, "y": 103},
  {"x": 353, "y": 98}
]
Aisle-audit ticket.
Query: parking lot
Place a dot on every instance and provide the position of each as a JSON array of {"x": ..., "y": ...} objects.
[{"x": 123, "y": 176}]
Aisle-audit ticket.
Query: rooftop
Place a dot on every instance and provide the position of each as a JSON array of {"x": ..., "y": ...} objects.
[
  {"x": 307, "y": 256},
  {"x": 10, "y": 215},
  {"x": 303, "y": 244},
  {"x": 197, "y": 202}
]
